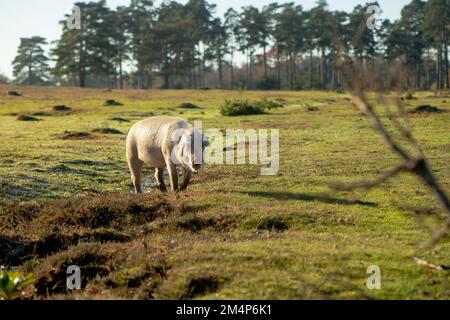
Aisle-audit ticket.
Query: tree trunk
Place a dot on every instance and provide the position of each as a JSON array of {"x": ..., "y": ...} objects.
[
  {"x": 288, "y": 72},
  {"x": 247, "y": 69},
  {"x": 82, "y": 70},
  {"x": 322, "y": 62},
  {"x": 232, "y": 71},
  {"x": 203, "y": 80},
  {"x": 310, "y": 69},
  {"x": 439, "y": 68},
  {"x": 447, "y": 77},
  {"x": 279, "y": 67},
  {"x": 251, "y": 70},
  {"x": 418, "y": 76},
  {"x": 166, "y": 71},
  {"x": 265, "y": 63},
  {"x": 30, "y": 67},
  {"x": 220, "y": 72},
  {"x": 428, "y": 71},
  {"x": 292, "y": 66},
  {"x": 294, "y": 69},
  {"x": 120, "y": 74},
  {"x": 190, "y": 77}
]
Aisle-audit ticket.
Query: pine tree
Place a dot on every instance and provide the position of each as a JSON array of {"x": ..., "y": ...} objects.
[
  {"x": 31, "y": 63},
  {"x": 289, "y": 38},
  {"x": 121, "y": 40},
  {"x": 218, "y": 46},
  {"x": 405, "y": 39},
  {"x": 231, "y": 25},
  {"x": 436, "y": 27},
  {"x": 145, "y": 49},
  {"x": 89, "y": 51}
]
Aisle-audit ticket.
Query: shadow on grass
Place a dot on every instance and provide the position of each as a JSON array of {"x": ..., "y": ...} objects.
[{"x": 307, "y": 197}]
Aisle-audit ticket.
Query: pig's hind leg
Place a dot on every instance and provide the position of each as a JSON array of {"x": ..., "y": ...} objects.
[{"x": 135, "y": 165}]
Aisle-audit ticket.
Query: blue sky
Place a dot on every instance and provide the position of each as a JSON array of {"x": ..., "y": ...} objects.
[{"x": 26, "y": 18}]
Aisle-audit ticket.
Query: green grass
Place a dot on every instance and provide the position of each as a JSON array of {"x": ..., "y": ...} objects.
[{"x": 65, "y": 199}]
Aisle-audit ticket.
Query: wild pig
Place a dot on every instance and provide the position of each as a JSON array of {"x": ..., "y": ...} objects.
[{"x": 165, "y": 142}]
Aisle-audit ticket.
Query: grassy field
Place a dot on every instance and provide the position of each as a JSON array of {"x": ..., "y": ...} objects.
[{"x": 65, "y": 198}]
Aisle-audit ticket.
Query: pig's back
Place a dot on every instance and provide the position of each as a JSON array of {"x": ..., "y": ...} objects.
[{"x": 148, "y": 136}]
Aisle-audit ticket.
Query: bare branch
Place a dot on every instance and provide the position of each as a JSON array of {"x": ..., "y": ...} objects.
[
  {"x": 416, "y": 164},
  {"x": 369, "y": 184},
  {"x": 428, "y": 264},
  {"x": 439, "y": 234}
]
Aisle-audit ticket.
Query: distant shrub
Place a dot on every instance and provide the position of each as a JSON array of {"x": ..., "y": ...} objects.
[
  {"x": 245, "y": 107},
  {"x": 239, "y": 107},
  {"x": 268, "y": 84}
]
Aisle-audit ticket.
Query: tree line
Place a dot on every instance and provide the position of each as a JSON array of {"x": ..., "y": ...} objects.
[{"x": 282, "y": 46}]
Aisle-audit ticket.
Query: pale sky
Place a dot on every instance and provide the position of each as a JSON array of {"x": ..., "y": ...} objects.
[{"x": 27, "y": 18}]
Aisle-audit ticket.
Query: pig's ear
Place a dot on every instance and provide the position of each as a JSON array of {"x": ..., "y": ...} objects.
[
  {"x": 184, "y": 144},
  {"x": 184, "y": 140}
]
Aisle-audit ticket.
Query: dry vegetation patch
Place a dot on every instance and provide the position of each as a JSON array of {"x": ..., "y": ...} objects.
[{"x": 106, "y": 210}]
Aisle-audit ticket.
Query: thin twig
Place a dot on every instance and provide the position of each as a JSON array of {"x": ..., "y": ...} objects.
[
  {"x": 425, "y": 263},
  {"x": 416, "y": 164},
  {"x": 369, "y": 184}
]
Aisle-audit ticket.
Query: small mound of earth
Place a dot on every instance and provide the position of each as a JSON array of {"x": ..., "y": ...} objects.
[
  {"x": 281, "y": 100},
  {"x": 312, "y": 108},
  {"x": 112, "y": 102},
  {"x": 41, "y": 114},
  {"x": 75, "y": 135},
  {"x": 61, "y": 108},
  {"x": 120, "y": 119},
  {"x": 189, "y": 105},
  {"x": 107, "y": 131},
  {"x": 426, "y": 108},
  {"x": 14, "y": 94},
  {"x": 25, "y": 117}
]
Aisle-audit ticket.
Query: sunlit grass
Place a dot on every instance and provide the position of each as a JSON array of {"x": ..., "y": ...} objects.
[{"x": 234, "y": 233}]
